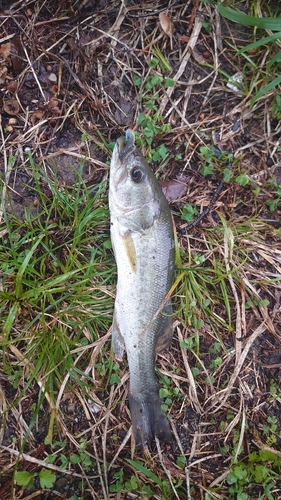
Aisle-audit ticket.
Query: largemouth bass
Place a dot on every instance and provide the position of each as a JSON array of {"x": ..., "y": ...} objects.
[{"x": 143, "y": 244}]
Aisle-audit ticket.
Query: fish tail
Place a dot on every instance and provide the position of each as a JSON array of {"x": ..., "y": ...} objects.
[{"x": 148, "y": 420}]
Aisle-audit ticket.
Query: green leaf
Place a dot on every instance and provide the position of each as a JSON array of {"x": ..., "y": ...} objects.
[
  {"x": 169, "y": 82},
  {"x": 242, "y": 496},
  {"x": 115, "y": 488},
  {"x": 181, "y": 461},
  {"x": 24, "y": 478},
  {"x": 47, "y": 478},
  {"x": 154, "y": 61},
  {"x": 156, "y": 156},
  {"x": 163, "y": 393},
  {"x": 231, "y": 478},
  {"x": 162, "y": 150},
  {"x": 114, "y": 379},
  {"x": 195, "y": 371},
  {"x": 260, "y": 473},
  {"x": 240, "y": 472},
  {"x": 131, "y": 485},
  {"x": 268, "y": 456},
  {"x": 141, "y": 119},
  {"x": 148, "y": 132},
  {"x": 51, "y": 459},
  {"x": 75, "y": 459},
  {"x": 188, "y": 212},
  {"x": 227, "y": 175},
  {"x": 242, "y": 179},
  {"x": 207, "y": 170},
  {"x": 206, "y": 152},
  {"x": 151, "y": 82},
  {"x": 137, "y": 81}
]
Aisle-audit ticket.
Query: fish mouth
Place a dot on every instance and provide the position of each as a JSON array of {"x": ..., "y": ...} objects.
[
  {"x": 127, "y": 146},
  {"x": 124, "y": 147}
]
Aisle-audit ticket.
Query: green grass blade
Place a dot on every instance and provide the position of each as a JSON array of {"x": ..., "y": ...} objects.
[
  {"x": 24, "y": 265},
  {"x": 148, "y": 473},
  {"x": 275, "y": 59},
  {"x": 259, "y": 43},
  {"x": 266, "y": 89},
  {"x": 241, "y": 18},
  {"x": 11, "y": 318}
]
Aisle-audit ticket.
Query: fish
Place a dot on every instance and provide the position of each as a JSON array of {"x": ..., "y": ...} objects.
[{"x": 142, "y": 238}]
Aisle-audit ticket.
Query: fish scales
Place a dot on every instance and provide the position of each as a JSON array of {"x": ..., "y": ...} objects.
[{"x": 143, "y": 244}]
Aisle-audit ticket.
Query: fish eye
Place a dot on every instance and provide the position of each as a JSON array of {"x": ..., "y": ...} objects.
[{"x": 136, "y": 175}]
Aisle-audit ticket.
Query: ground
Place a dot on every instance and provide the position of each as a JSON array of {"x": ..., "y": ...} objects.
[{"x": 74, "y": 75}]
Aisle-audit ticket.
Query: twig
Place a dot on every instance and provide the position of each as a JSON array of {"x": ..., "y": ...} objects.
[{"x": 42, "y": 463}]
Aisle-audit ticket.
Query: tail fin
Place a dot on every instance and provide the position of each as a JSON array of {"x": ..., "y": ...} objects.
[{"x": 148, "y": 420}]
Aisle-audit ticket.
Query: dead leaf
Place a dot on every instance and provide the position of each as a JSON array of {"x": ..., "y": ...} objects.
[
  {"x": 37, "y": 115},
  {"x": 12, "y": 86},
  {"x": 173, "y": 189},
  {"x": 3, "y": 74},
  {"x": 11, "y": 107},
  {"x": 167, "y": 25},
  {"x": 184, "y": 38},
  {"x": 17, "y": 55},
  {"x": 5, "y": 50}
]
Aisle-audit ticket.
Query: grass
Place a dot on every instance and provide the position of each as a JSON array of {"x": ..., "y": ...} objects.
[
  {"x": 65, "y": 417},
  {"x": 56, "y": 295},
  {"x": 266, "y": 62}
]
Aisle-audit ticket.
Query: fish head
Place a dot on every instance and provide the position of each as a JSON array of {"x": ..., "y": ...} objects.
[{"x": 133, "y": 188}]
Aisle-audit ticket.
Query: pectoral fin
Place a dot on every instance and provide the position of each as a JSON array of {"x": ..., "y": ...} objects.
[{"x": 130, "y": 251}]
